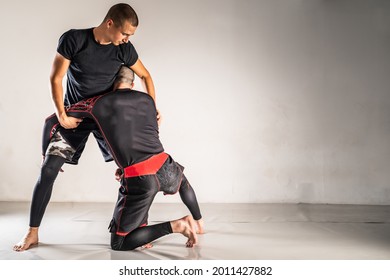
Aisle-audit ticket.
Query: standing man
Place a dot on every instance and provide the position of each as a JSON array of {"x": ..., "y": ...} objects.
[{"x": 91, "y": 59}]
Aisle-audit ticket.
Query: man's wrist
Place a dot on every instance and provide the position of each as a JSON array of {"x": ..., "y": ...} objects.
[{"x": 62, "y": 116}]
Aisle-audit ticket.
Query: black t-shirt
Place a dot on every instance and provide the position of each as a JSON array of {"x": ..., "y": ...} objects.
[{"x": 93, "y": 66}]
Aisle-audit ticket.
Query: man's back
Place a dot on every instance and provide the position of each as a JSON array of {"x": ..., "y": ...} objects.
[{"x": 128, "y": 120}]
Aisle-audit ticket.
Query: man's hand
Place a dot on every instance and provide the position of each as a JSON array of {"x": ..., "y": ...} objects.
[
  {"x": 159, "y": 118},
  {"x": 118, "y": 174},
  {"x": 69, "y": 122}
]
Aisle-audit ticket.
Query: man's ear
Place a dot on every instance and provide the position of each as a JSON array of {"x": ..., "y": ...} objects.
[{"x": 109, "y": 23}]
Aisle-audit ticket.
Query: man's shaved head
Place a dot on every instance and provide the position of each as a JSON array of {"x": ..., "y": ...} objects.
[{"x": 125, "y": 75}]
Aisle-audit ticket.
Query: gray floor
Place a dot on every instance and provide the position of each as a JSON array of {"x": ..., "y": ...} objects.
[{"x": 233, "y": 232}]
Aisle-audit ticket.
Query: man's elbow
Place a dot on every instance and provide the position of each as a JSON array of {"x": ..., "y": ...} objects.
[
  {"x": 55, "y": 79},
  {"x": 146, "y": 76}
]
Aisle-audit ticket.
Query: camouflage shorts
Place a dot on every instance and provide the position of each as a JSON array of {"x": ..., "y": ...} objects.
[{"x": 58, "y": 146}]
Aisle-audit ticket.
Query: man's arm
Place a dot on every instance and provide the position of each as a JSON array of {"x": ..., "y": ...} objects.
[
  {"x": 59, "y": 68},
  {"x": 147, "y": 82}
]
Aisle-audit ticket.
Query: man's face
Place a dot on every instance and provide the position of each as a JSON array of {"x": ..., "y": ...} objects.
[{"x": 120, "y": 35}]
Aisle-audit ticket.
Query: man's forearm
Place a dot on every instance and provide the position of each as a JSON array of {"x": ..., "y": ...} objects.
[
  {"x": 148, "y": 85},
  {"x": 58, "y": 99}
]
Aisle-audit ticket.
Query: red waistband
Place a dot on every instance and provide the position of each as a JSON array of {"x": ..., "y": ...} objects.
[{"x": 146, "y": 167}]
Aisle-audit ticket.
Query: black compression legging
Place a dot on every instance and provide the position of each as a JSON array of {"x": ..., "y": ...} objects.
[
  {"x": 188, "y": 197},
  {"x": 43, "y": 188},
  {"x": 139, "y": 236},
  {"x": 144, "y": 235}
]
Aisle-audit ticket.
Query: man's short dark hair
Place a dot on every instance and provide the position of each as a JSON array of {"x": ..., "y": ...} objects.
[{"x": 120, "y": 13}]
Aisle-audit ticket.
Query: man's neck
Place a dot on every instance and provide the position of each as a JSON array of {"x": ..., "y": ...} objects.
[
  {"x": 98, "y": 34},
  {"x": 123, "y": 86}
]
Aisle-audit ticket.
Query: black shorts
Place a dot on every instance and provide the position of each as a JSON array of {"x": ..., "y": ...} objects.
[
  {"x": 138, "y": 189},
  {"x": 72, "y": 141}
]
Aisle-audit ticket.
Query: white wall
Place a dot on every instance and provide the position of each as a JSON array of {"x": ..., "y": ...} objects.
[{"x": 263, "y": 100}]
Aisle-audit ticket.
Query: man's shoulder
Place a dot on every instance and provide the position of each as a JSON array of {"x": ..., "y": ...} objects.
[
  {"x": 132, "y": 94},
  {"x": 137, "y": 92},
  {"x": 126, "y": 46},
  {"x": 72, "y": 41},
  {"x": 77, "y": 33},
  {"x": 128, "y": 53},
  {"x": 141, "y": 95}
]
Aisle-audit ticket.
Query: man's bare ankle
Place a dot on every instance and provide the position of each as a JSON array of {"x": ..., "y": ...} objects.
[
  {"x": 33, "y": 230},
  {"x": 175, "y": 226}
]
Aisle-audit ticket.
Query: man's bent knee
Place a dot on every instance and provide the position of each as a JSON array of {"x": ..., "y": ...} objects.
[{"x": 117, "y": 242}]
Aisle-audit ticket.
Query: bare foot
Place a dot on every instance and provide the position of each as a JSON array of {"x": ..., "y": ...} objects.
[
  {"x": 147, "y": 246},
  {"x": 199, "y": 226},
  {"x": 30, "y": 239},
  {"x": 187, "y": 227}
]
